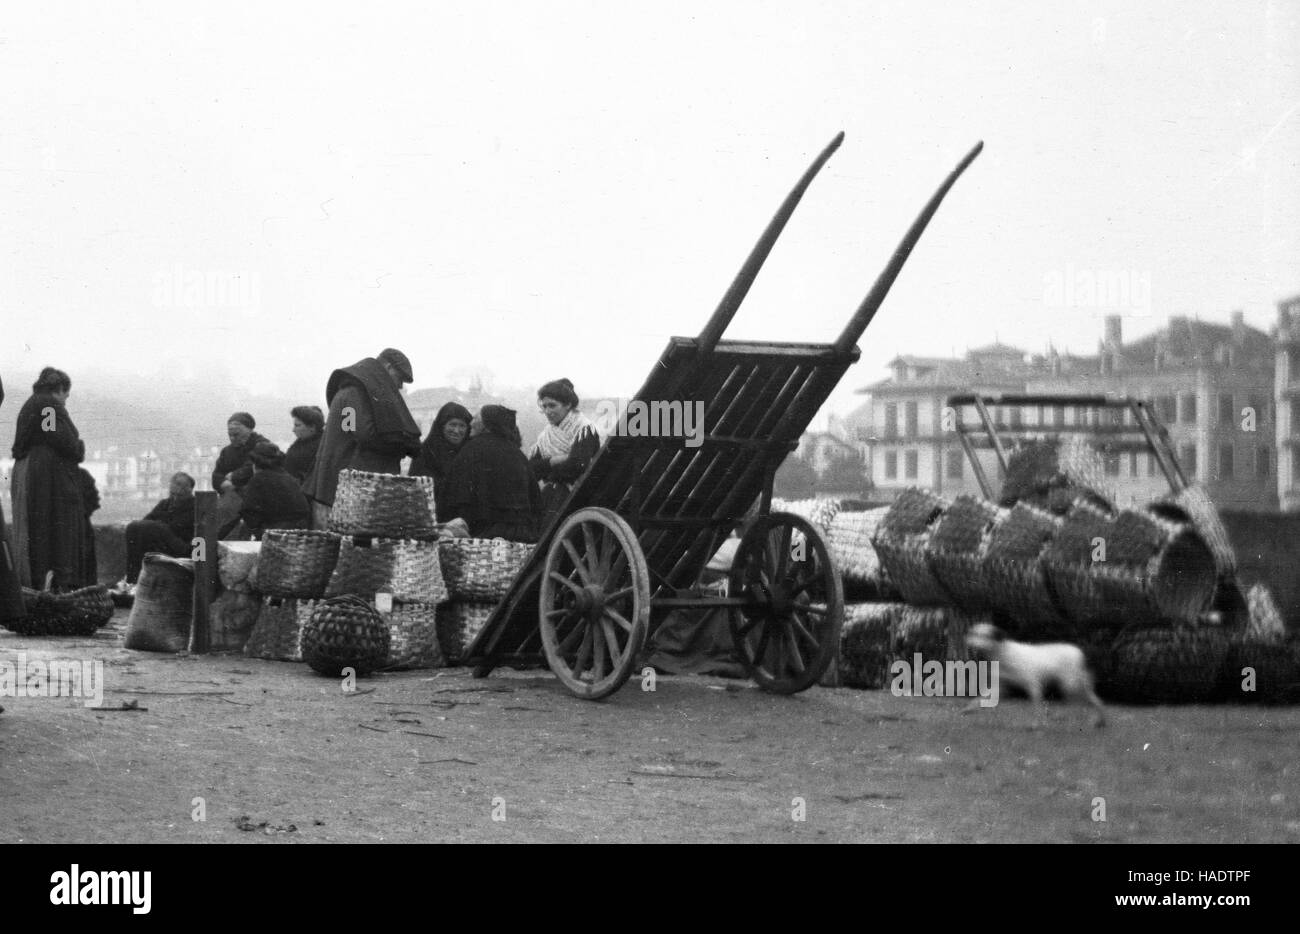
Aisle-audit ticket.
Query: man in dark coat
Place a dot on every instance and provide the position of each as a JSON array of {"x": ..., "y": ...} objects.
[
  {"x": 234, "y": 468},
  {"x": 49, "y": 519},
  {"x": 489, "y": 484},
  {"x": 368, "y": 426},
  {"x": 11, "y": 593},
  {"x": 167, "y": 529},
  {"x": 272, "y": 499}
]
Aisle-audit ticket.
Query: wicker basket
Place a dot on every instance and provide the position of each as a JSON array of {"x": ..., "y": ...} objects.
[
  {"x": 849, "y": 540},
  {"x": 901, "y": 541},
  {"x": 1051, "y": 475},
  {"x": 459, "y": 624},
  {"x": 935, "y": 633},
  {"x": 237, "y": 565},
  {"x": 1193, "y": 505},
  {"x": 864, "y": 657},
  {"x": 345, "y": 632},
  {"x": 1183, "y": 664},
  {"x": 410, "y": 570},
  {"x": 958, "y": 547},
  {"x": 820, "y": 511},
  {"x": 277, "y": 634},
  {"x": 384, "y": 505},
  {"x": 296, "y": 563},
  {"x": 1013, "y": 575},
  {"x": 74, "y": 613},
  {"x": 481, "y": 569},
  {"x": 1275, "y": 666},
  {"x": 413, "y": 637},
  {"x": 1153, "y": 570}
]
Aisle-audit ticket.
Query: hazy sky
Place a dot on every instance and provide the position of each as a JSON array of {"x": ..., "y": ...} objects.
[{"x": 262, "y": 192}]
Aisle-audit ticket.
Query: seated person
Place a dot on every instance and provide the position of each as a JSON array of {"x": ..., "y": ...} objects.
[
  {"x": 488, "y": 482},
  {"x": 272, "y": 499},
  {"x": 168, "y": 529}
]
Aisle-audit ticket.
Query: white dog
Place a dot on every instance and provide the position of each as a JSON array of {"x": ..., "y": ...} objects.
[{"x": 1035, "y": 668}]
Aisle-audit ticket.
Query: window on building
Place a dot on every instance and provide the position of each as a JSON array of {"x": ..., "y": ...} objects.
[
  {"x": 1187, "y": 406},
  {"x": 1151, "y": 465},
  {"x": 956, "y": 465},
  {"x": 1226, "y": 462},
  {"x": 1263, "y": 462},
  {"x": 891, "y": 465},
  {"x": 1167, "y": 409},
  {"x": 911, "y": 462},
  {"x": 1260, "y": 408},
  {"x": 912, "y": 421},
  {"x": 1017, "y": 417},
  {"x": 1226, "y": 415},
  {"x": 1132, "y": 463},
  {"x": 891, "y": 420},
  {"x": 1058, "y": 416},
  {"x": 1187, "y": 459},
  {"x": 1111, "y": 461}
]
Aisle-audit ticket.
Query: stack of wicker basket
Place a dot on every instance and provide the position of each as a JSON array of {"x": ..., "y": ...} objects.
[
  {"x": 478, "y": 572},
  {"x": 293, "y": 569}
]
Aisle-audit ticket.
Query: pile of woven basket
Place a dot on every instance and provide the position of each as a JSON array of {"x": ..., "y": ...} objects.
[
  {"x": 384, "y": 559},
  {"x": 1143, "y": 590}
]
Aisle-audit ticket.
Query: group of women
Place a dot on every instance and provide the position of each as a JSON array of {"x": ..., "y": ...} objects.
[
  {"x": 482, "y": 476},
  {"x": 480, "y": 472}
]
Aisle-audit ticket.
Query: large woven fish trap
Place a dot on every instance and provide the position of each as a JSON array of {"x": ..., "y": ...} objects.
[
  {"x": 1265, "y": 671},
  {"x": 412, "y": 637},
  {"x": 849, "y": 542},
  {"x": 1013, "y": 574},
  {"x": 1193, "y": 506},
  {"x": 481, "y": 569},
  {"x": 296, "y": 563},
  {"x": 384, "y": 505},
  {"x": 1053, "y": 474},
  {"x": 459, "y": 624},
  {"x": 936, "y": 633},
  {"x": 345, "y": 632},
  {"x": 864, "y": 656},
  {"x": 820, "y": 511},
  {"x": 71, "y": 613},
  {"x": 1112, "y": 571},
  {"x": 409, "y": 569},
  {"x": 901, "y": 540},
  {"x": 958, "y": 547},
  {"x": 277, "y": 634},
  {"x": 1169, "y": 665}
]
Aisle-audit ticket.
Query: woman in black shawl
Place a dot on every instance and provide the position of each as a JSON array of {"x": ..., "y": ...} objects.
[
  {"x": 11, "y": 592},
  {"x": 448, "y": 435},
  {"x": 49, "y": 518},
  {"x": 488, "y": 483}
]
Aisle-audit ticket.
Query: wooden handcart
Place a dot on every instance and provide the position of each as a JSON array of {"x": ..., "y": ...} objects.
[{"x": 631, "y": 540}]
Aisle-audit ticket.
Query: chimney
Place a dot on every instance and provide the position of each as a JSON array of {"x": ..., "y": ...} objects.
[
  {"x": 1110, "y": 346},
  {"x": 1114, "y": 330},
  {"x": 1238, "y": 328},
  {"x": 1055, "y": 360}
]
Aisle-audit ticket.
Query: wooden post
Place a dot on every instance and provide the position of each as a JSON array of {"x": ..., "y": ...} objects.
[{"x": 205, "y": 571}]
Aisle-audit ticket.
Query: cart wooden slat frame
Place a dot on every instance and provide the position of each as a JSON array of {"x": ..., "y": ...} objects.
[{"x": 633, "y": 537}]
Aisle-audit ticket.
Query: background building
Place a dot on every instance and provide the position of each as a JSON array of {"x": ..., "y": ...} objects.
[{"x": 1287, "y": 399}]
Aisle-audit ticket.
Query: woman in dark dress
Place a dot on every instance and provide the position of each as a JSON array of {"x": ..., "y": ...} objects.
[
  {"x": 488, "y": 483},
  {"x": 565, "y": 447},
  {"x": 49, "y": 518},
  {"x": 11, "y": 592},
  {"x": 272, "y": 498},
  {"x": 448, "y": 435},
  {"x": 308, "y": 423}
]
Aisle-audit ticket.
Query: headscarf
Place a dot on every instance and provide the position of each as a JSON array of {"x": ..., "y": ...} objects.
[
  {"x": 500, "y": 421},
  {"x": 557, "y": 440},
  {"x": 436, "y": 451}
]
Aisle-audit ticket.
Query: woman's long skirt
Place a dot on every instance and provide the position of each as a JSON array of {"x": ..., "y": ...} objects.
[{"x": 49, "y": 522}]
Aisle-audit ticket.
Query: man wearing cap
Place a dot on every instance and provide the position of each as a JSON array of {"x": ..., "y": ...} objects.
[
  {"x": 368, "y": 427},
  {"x": 234, "y": 468}
]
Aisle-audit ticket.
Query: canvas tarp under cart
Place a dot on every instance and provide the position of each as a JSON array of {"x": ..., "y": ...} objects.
[{"x": 633, "y": 537}]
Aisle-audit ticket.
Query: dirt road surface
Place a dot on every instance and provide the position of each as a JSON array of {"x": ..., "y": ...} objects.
[{"x": 272, "y": 752}]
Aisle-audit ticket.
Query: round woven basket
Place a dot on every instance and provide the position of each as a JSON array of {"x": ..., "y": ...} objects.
[
  {"x": 958, "y": 547},
  {"x": 73, "y": 613},
  {"x": 481, "y": 569},
  {"x": 296, "y": 563},
  {"x": 1194, "y": 506},
  {"x": 1269, "y": 666},
  {"x": 863, "y": 660},
  {"x": 413, "y": 637},
  {"x": 1013, "y": 575},
  {"x": 410, "y": 570},
  {"x": 849, "y": 540},
  {"x": 277, "y": 634},
  {"x": 459, "y": 624},
  {"x": 384, "y": 505},
  {"x": 1051, "y": 475},
  {"x": 1183, "y": 664},
  {"x": 345, "y": 632},
  {"x": 901, "y": 540}
]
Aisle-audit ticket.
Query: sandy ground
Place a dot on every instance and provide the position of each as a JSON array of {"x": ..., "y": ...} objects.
[{"x": 279, "y": 753}]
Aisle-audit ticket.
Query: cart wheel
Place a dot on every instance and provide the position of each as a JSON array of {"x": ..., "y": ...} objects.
[
  {"x": 789, "y": 632},
  {"x": 594, "y": 610}
]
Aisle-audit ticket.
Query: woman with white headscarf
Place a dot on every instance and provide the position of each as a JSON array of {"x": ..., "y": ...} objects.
[{"x": 565, "y": 447}]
